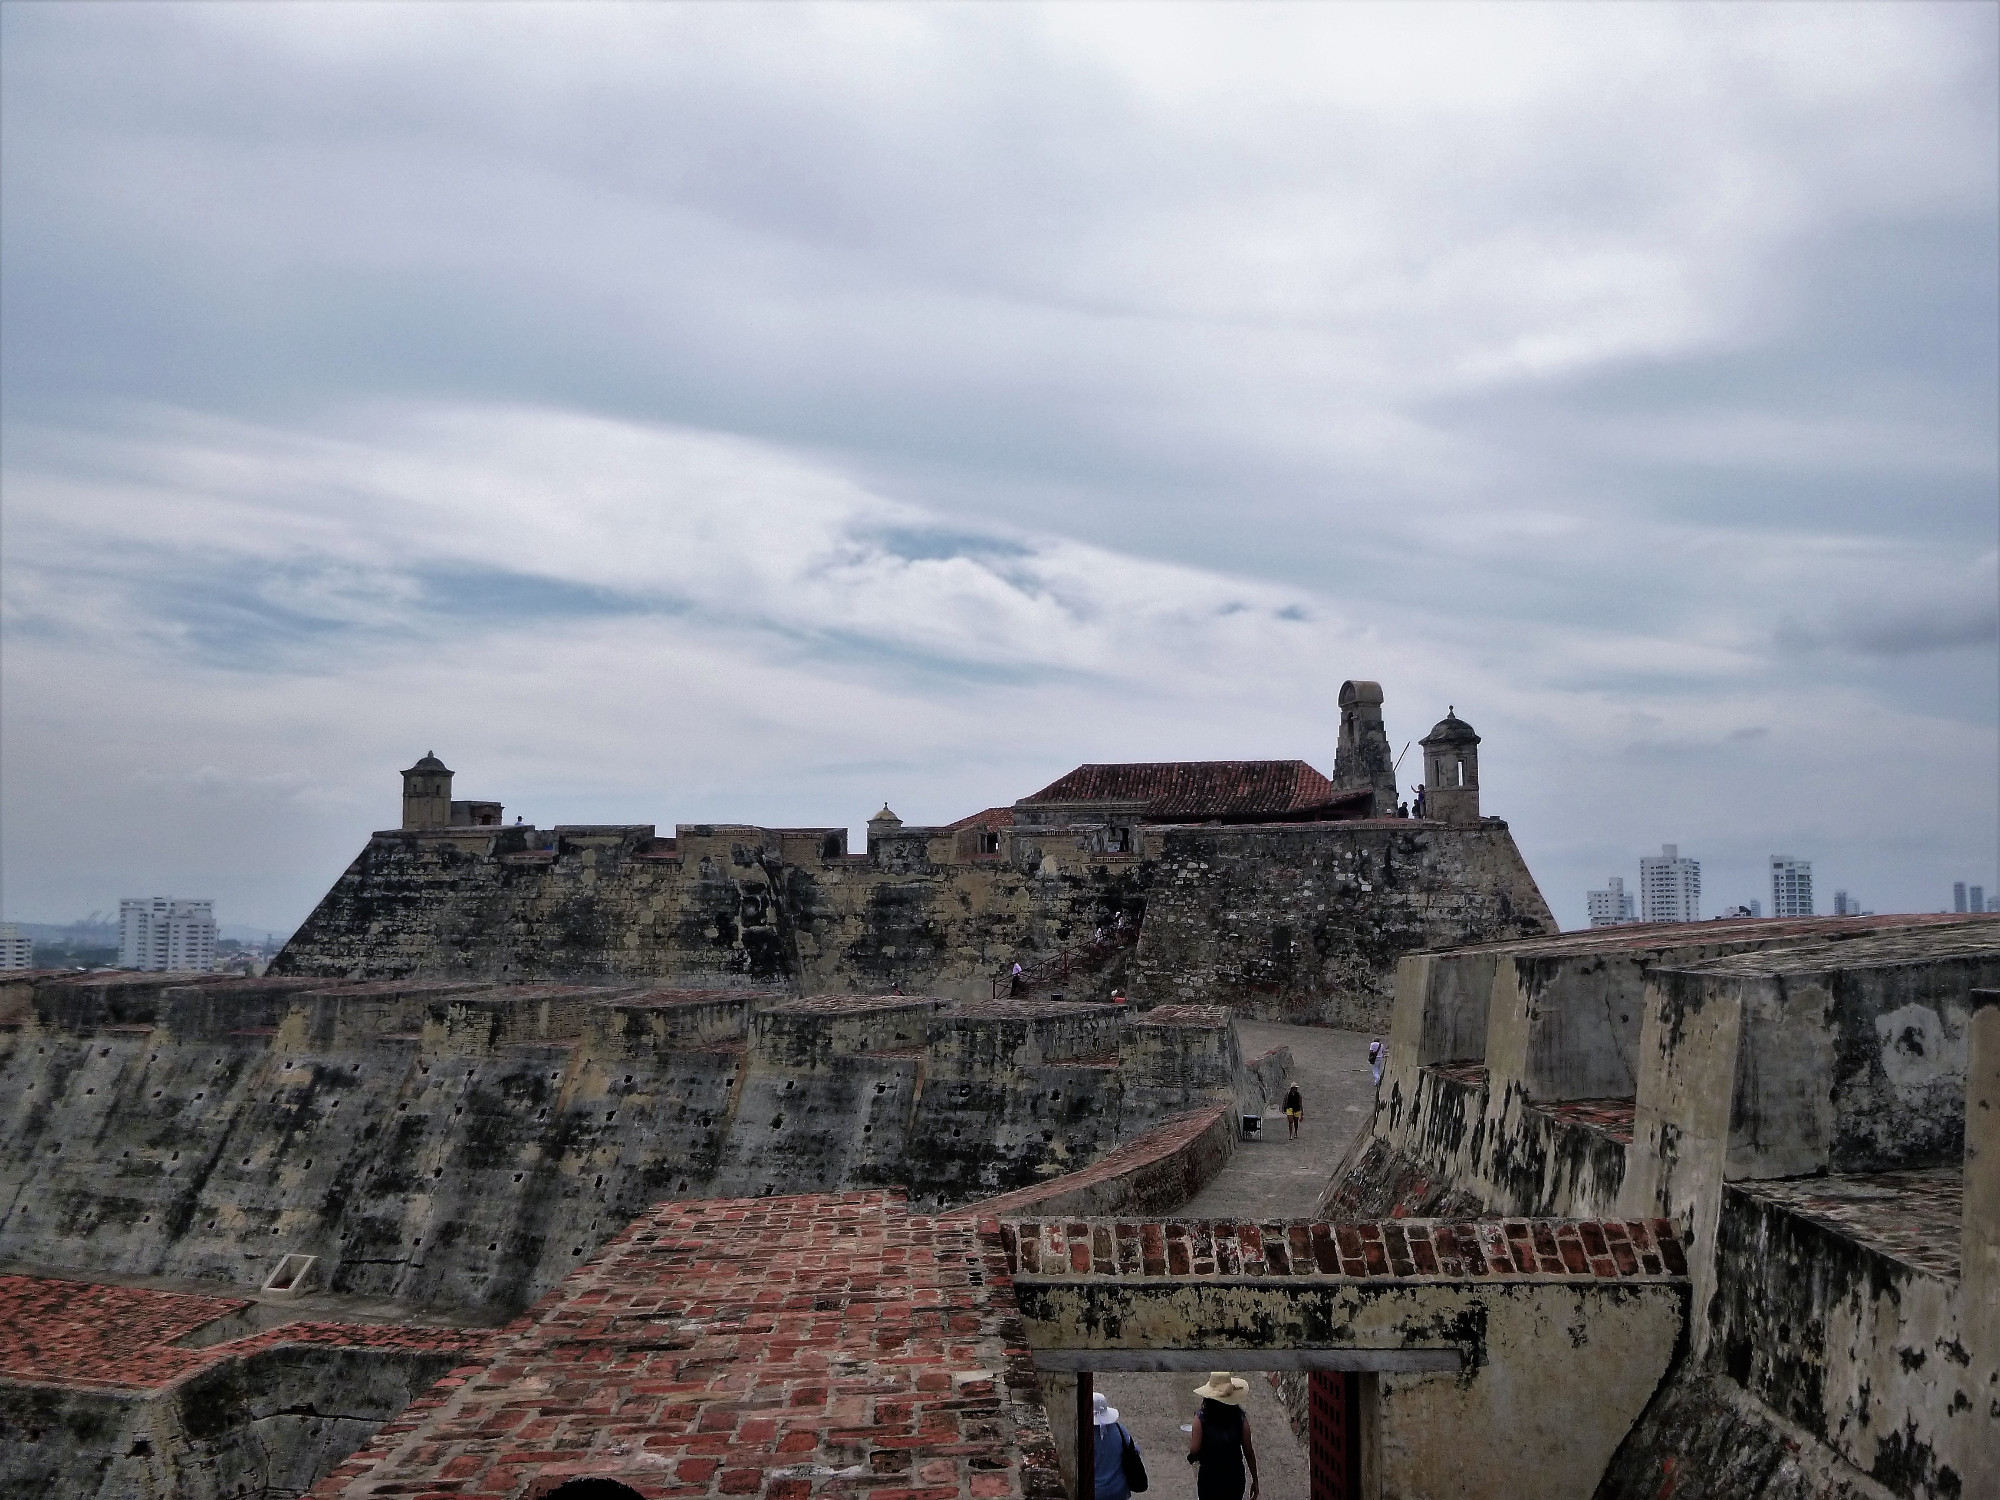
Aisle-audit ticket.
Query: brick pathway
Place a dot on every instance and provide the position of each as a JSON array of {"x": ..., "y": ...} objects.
[
  {"x": 776, "y": 1347},
  {"x": 1271, "y": 1178}
]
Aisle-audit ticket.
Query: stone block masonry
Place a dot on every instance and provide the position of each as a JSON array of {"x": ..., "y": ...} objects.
[
  {"x": 1306, "y": 923},
  {"x": 452, "y": 1144},
  {"x": 1806, "y": 1107},
  {"x": 103, "y": 1395},
  {"x": 782, "y": 1348},
  {"x": 1286, "y": 921}
]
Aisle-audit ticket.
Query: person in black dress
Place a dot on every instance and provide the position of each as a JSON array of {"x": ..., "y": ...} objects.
[{"x": 1219, "y": 1444}]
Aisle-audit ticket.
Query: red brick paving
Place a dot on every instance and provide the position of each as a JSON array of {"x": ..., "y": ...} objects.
[
  {"x": 83, "y": 1333},
  {"x": 775, "y": 1347},
  {"x": 1612, "y": 1116},
  {"x": 1913, "y": 1216},
  {"x": 1610, "y": 1249}
]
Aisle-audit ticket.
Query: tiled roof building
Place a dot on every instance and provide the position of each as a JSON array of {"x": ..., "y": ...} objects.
[{"x": 1203, "y": 791}]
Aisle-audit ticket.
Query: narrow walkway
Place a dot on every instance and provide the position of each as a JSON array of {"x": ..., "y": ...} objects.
[{"x": 1273, "y": 1178}]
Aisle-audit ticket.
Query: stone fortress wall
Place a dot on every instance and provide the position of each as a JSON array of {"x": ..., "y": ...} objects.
[
  {"x": 455, "y": 1144},
  {"x": 451, "y": 1151},
  {"x": 1259, "y": 885},
  {"x": 1811, "y": 1103}
]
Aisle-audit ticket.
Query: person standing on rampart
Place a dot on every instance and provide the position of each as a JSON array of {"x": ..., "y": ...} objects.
[{"x": 1295, "y": 1111}]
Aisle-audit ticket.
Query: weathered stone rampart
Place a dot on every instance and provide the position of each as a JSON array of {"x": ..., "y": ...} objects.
[
  {"x": 111, "y": 1392},
  {"x": 1809, "y": 1102},
  {"x": 451, "y": 1144},
  {"x": 1286, "y": 921}
]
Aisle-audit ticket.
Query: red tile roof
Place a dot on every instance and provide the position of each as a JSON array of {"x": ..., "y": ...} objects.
[
  {"x": 1198, "y": 790},
  {"x": 992, "y": 817}
]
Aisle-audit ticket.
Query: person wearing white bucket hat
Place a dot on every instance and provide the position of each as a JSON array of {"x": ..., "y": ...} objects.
[
  {"x": 1120, "y": 1470},
  {"x": 1219, "y": 1441}
]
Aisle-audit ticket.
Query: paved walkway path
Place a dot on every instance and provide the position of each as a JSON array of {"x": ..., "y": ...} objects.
[{"x": 1273, "y": 1178}]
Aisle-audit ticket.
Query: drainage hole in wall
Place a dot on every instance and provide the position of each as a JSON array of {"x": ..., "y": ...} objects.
[
  {"x": 609, "y": 1117},
  {"x": 517, "y": 1176},
  {"x": 437, "y": 1171}
]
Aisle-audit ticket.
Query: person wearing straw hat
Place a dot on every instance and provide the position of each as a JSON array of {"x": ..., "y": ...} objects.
[
  {"x": 1219, "y": 1442},
  {"x": 1119, "y": 1467}
]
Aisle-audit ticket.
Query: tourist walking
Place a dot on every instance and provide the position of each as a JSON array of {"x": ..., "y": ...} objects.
[
  {"x": 1219, "y": 1442},
  {"x": 1295, "y": 1110},
  {"x": 1375, "y": 1056},
  {"x": 1120, "y": 1470}
]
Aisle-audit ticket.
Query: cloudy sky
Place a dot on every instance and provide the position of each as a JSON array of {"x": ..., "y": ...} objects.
[{"x": 685, "y": 413}]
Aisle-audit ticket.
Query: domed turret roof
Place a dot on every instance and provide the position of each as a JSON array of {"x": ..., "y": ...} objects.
[
  {"x": 885, "y": 816},
  {"x": 430, "y": 762},
  {"x": 1451, "y": 730}
]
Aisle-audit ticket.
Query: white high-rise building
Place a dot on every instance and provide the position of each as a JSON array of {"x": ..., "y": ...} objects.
[
  {"x": 1609, "y": 907},
  {"x": 1791, "y": 886},
  {"x": 162, "y": 933},
  {"x": 16, "y": 952},
  {"x": 1669, "y": 887}
]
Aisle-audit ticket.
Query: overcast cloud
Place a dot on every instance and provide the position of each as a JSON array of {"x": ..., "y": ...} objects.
[{"x": 675, "y": 413}]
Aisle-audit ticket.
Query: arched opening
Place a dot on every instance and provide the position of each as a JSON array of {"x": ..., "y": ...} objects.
[{"x": 591, "y": 1489}]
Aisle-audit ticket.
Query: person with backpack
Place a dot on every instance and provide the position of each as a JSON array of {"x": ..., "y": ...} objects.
[{"x": 1120, "y": 1470}]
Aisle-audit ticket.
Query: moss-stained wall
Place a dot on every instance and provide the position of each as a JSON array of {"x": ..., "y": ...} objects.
[
  {"x": 269, "y": 1424},
  {"x": 448, "y": 1145},
  {"x": 1302, "y": 922},
  {"x": 1306, "y": 922},
  {"x": 1857, "y": 1346}
]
